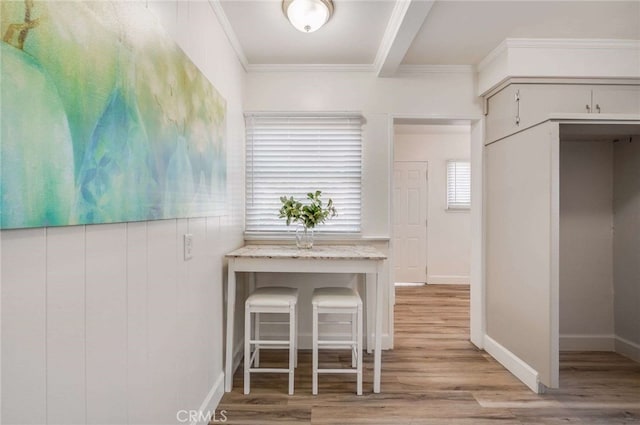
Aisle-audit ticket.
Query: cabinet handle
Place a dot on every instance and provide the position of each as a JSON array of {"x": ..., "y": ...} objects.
[
  {"x": 588, "y": 109},
  {"x": 517, "y": 99},
  {"x": 597, "y": 108}
]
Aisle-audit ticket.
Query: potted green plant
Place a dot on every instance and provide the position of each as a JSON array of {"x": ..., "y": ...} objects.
[{"x": 308, "y": 216}]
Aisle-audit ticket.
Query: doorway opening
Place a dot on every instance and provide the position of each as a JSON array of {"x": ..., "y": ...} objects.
[{"x": 431, "y": 239}]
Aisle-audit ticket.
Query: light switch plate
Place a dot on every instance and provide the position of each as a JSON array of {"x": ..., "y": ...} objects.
[{"x": 188, "y": 246}]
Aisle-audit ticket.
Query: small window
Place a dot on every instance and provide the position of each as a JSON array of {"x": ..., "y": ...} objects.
[
  {"x": 458, "y": 185},
  {"x": 293, "y": 154}
]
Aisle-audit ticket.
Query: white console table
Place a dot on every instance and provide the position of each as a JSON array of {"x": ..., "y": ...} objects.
[{"x": 320, "y": 259}]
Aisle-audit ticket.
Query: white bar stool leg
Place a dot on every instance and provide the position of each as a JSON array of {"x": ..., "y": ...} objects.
[
  {"x": 256, "y": 333},
  {"x": 292, "y": 346},
  {"x": 354, "y": 325},
  {"x": 247, "y": 349},
  {"x": 359, "y": 351},
  {"x": 296, "y": 337},
  {"x": 315, "y": 351}
]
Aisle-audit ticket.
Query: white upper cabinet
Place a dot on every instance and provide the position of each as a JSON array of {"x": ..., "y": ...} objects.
[
  {"x": 537, "y": 101},
  {"x": 521, "y": 105},
  {"x": 502, "y": 113},
  {"x": 616, "y": 99}
]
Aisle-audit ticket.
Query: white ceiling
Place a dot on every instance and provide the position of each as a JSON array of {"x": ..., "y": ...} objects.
[{"x": 383, "y": 34}]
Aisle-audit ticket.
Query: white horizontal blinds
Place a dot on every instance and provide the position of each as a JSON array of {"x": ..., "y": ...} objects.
[
  {"x": 458, "y": 184},
  {"x": 294, "y": 155}
]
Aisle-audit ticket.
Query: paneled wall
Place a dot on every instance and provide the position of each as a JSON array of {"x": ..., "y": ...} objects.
[{"x": 109, "y": 323}]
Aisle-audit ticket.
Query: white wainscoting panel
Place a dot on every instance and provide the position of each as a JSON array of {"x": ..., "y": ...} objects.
[
  {"x": 24, "y": 351},
  {"x": 109, "y": 323},
  {"x": 162, "y": 331},
  {"x": 214, "y": 295},
  {"x": 66, "y": 391},
  {"x": 139, "y": 373},
  {"x": 106, "y": 323},
  {"x": 195, "y": 294}
]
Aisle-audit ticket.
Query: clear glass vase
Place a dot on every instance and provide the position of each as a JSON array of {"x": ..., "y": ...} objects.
[{"x": 304, "y": 237}]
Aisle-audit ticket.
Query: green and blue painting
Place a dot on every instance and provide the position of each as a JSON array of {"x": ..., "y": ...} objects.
[{"x": 103, "y": 119}]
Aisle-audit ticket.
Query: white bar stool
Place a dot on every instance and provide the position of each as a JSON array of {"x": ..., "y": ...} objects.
[
  {"x": 341, "y": 301},
  {"x": 272, "y": 299}
]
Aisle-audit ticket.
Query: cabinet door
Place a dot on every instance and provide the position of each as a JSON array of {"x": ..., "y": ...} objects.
[
  {"x": 538, "y": 101},
  {"x": 502, "y": 110},
  {"x": 616, "y": 99}
]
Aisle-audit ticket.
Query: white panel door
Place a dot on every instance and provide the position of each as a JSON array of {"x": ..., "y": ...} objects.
[{"x": 410, "y": 221}]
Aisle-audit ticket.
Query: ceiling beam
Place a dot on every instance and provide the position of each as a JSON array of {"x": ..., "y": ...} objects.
[{"x": 406, "y": 20}]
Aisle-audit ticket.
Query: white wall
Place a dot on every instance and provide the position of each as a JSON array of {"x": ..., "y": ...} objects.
[
  {"x": 586, "y": 245},
  {"x": 626, "y": 246},
  {"x": 108, "y": 323},
  {"x": 448, "y": 232},
  {"x": 437, "y": 95},
  {"x": 379, "y": 99}
]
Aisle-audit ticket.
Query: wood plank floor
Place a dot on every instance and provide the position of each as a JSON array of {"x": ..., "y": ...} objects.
[{"x": 436, "y": 376}]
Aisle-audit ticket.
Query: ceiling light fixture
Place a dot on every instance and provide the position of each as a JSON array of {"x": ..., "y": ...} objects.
[{"x": 307, "y": 15}]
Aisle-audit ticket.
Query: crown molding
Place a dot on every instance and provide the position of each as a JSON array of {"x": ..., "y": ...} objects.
[
  {"x": 572, "y": 43},
  {"x": 500, "y": 49},
  {"x": 310, "y": 68},
  {"x": 557, "y": 43},
  {"x": 435, "y": 69},
  {"x": 403, "y": 69},
  {"x": 216, "y": 6}
]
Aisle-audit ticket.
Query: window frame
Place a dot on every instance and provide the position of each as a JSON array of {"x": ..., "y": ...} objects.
[
  {"x": 323, "y": 231},
  {"x": 462, "y": 207}
]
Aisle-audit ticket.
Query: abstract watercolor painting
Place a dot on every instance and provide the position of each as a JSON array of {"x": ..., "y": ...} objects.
[{"x": 103, "y": 119}]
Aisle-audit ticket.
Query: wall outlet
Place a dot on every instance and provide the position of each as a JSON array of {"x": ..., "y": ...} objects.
[{"x": 188, "y": 246}]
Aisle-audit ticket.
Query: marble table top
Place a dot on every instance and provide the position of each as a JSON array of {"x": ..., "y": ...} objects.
[{"x": 319, "y": 252}]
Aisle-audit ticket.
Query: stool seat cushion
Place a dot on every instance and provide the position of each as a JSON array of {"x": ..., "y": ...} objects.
[
  {"x": 336, "y": 297},
  {"x": 273, "y": 296}
]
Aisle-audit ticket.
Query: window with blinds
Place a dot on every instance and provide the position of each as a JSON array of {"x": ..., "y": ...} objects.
[
  {"x": 458, "y": 185},
  {"x": 298, "y": 154}
]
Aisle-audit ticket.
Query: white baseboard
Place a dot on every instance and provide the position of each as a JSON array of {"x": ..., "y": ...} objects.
[
  {"x": 573, "y": 342},
  {"x": 513, "y": 364},
  {"x": 529, "y": 376},
  {"x": 409, "y": 284},
  {"x": 447, "y": 280},
  {"x": 207, "y": 410},
  {"x": 627, "y": 348}
]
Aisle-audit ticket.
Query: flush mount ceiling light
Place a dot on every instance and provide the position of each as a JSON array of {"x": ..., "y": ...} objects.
[{"x": 307, "y": 15}]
